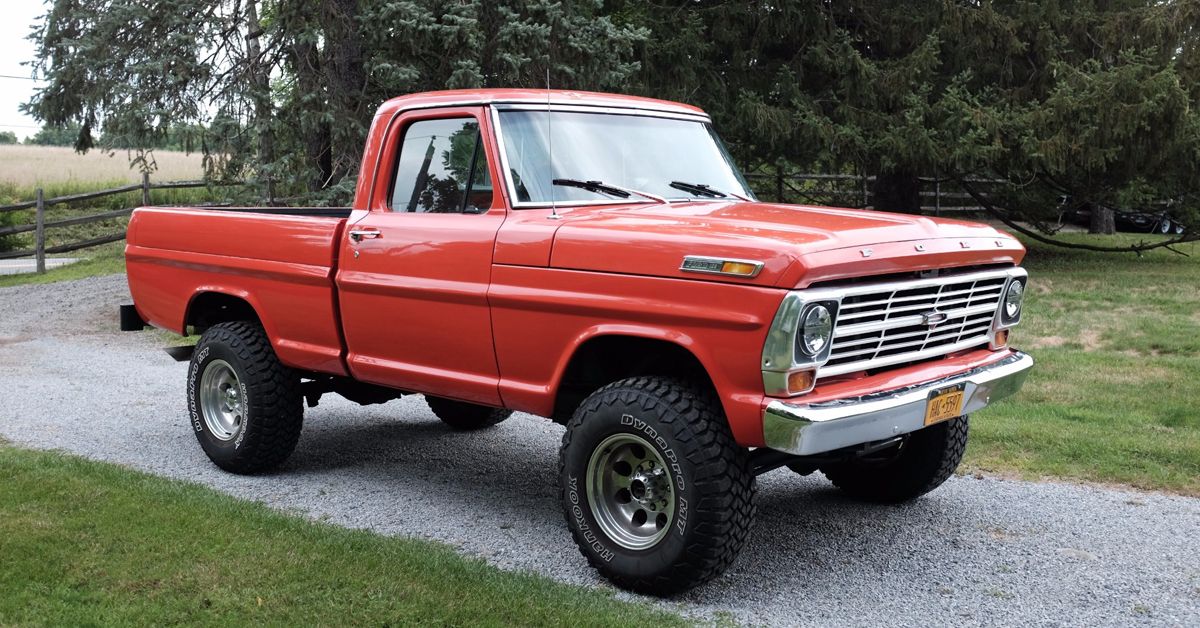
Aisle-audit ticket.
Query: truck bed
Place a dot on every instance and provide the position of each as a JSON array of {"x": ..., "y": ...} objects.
[{"x": 281, "y": 261}]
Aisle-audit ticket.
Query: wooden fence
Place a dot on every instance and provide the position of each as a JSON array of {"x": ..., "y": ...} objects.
[
  {"x": 938, "y": 196},
  {"x": 842, "y": 190},
  {"x": 40, "y": 225}
]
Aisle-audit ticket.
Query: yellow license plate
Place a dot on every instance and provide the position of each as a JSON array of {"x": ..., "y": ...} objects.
[{"x": 944, "y": 403}]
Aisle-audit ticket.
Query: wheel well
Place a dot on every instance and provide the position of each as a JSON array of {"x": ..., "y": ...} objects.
[
  {"x": 210, "y": 308},
  {"x": 606, "y": 359}
]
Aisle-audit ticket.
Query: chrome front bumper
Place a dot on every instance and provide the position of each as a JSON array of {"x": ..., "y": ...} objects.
[{"x": 805, "y": 429}]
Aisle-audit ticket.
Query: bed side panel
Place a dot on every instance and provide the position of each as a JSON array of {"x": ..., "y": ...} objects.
[{"x": 282, "y": 265}]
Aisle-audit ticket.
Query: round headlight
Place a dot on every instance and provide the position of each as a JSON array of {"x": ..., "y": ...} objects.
[
  {"x": 1013, "y": 299},
  {"x": 816, "y": 330}
]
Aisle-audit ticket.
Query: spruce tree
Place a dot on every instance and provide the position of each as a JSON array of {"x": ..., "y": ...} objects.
[{"x": 283, "y": 90}]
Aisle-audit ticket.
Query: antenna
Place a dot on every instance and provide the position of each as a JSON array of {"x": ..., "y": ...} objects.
[{"x": 550, "y": 147}]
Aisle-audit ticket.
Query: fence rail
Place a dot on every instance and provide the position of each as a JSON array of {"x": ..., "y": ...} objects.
[{"x": 40, "y": 224}]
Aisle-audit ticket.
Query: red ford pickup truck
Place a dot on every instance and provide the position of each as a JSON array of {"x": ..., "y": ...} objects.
[{"x": 597, "y": 260}]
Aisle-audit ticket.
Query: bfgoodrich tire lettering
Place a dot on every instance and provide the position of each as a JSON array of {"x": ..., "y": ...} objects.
[
  {"x": 265, "y": 401},
  {"x": 711, "y": 483}
]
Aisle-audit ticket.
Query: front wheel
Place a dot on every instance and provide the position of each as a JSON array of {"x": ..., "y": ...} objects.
[
  {"x": 245, "y": 405},
  {"x": 657, "y": 495},
  {"x": 921, "y": 462}
]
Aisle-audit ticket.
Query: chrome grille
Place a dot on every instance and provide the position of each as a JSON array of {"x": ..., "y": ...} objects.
[{"x": 888, "y": 324}]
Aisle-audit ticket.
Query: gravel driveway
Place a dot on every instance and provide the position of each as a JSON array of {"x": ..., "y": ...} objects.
[{"x": 977, "y": 551}]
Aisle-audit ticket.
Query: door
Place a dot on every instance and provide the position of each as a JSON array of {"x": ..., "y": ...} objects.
[{"x": 413, "y": 273}]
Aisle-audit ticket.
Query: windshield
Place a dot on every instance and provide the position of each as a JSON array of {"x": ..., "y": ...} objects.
[{"x": 640, "y": 153}]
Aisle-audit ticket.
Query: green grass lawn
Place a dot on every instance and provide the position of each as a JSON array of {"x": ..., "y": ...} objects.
[
  {"x": 87, "y": 543},
  {"x": 1115, "y": 395}
]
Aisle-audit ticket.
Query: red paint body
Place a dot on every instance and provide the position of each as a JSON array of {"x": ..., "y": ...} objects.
[{"x": 490, "y": 308}]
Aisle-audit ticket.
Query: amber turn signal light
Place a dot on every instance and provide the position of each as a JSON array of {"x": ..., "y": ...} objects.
[
  {"x": 1002, "y": 338},
  {"x": 743, "y": 269},
  {"x": 800, "y": 382}
]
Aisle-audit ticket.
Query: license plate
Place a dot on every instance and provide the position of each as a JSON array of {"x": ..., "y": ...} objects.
[{"x": 944, "y": 403}]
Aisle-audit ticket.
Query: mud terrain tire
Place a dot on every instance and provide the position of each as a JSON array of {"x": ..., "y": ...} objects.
[
  {"x": 703, "y": 497},
  {"x": 244, "y": 405}
]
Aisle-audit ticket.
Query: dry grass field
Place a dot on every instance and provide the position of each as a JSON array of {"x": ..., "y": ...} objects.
[
  {"x": 60, "y": 171},
  {"x": 34, "y": 166}
]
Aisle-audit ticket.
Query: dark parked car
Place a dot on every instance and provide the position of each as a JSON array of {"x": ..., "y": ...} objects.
[{"x": 1134, "y": 221}]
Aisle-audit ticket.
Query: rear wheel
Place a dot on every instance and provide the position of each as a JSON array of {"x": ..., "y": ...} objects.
[
  {"x": 656, "y": 493},
  {"x": 461, "y": 415},
  {"x": 918, "y": 464},
  {"x": 245, "y": 405}
]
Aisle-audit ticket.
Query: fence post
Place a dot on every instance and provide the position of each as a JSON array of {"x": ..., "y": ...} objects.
[
  {"x": 40, "y": 233},
  {"x": 862, "y": 177},
  {"x": 937, "y": 194},
  {"x": 778, "y": 183},
  {"x": 145, "y": 189}
]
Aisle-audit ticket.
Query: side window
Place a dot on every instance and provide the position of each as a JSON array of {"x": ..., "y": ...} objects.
[{"x": 442, "y": 169}]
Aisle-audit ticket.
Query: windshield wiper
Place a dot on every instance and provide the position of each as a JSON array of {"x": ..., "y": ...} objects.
[
  {"x": 705, "y": 190},
  {"x": 593, "y": 186},
  {"x": 601, "y": 187}
]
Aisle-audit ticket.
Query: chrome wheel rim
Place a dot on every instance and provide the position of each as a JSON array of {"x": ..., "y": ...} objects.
[
  {"x": 222, "y": 400},
  {"x": 630, "y": 491}
]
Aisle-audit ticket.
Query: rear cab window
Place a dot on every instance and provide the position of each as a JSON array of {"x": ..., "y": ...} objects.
[{"x": 442, "y": 169}]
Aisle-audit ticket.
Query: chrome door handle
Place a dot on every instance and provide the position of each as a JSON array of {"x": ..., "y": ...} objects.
[{"x": 359, "y": 234}]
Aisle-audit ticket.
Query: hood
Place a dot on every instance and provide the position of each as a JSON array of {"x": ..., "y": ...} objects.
[{"x": 797, "y": 244}]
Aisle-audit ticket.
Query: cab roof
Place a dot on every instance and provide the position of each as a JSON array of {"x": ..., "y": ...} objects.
[{"x": 479, "y": 97}]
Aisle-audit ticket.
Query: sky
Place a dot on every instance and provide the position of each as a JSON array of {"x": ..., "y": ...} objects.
[{"x": 17, "y": 18}]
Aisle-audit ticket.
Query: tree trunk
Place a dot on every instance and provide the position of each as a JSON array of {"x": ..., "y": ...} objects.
[
  {"x": 897, "y": 192},
  {"x": 314, "y": 125},
  {"x": 1102, "y": 220},
  {"x": 346, "y": 78},
  {"x": 489, "y": 26},
  {"x": 260, "y": 95}
]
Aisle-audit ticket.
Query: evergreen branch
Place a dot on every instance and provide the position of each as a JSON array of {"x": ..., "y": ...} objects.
[{"x": 1139, "y": 248}]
